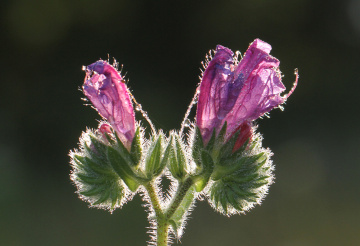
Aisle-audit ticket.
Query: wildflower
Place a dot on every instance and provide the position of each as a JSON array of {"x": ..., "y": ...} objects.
[
  {"x": 239, "y": 93},
  {"x": 104, "y": 87}
]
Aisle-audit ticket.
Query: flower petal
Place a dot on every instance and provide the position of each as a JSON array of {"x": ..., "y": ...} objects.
[
  {"x": 104, "y": 87},
  {"x": 215, "y": 98},
  {"x": 262, "y": 86}
]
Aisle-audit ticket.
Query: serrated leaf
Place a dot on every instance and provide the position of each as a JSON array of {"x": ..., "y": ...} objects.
[
  {"x": 204, "y": 176},
  {"x": 124, "y": 151},
  {"x": 98, "y": 144},
  {"x": 103, "y": 197},
  {"x": 236, "y": 178},
  {"x": 78, "y": 160},
  {"x": 94, "y": 190},
  {"x": 224, "y": 170},
  {"x": 92, "y": 154},
  {"x": 122, "y": 168},
  {"x": 227, "y": 149},
  {"x": 91, "y": 179},
  {"x": 234, "y": 200},
  {"x": 98, "y": 168},
  {"x": 207, "y": 161},
  {"x": 223, "y": 201},
  {"x": 238, "y": 181},
  {"x": 95, "y": 178}
]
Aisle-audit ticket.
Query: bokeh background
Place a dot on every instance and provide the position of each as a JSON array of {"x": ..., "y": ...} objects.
[{"x": 43, "y": 45}]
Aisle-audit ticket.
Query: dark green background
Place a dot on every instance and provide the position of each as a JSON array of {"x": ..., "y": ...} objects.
[{"x": 43, "y": 44}]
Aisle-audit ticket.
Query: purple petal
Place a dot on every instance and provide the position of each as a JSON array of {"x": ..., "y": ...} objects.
[
  {"x": 262, "y": 85},
  {"x": 238, "y": 93},
  {"x": 104, "y": 87},
  {"x": 215, "y": 92}
]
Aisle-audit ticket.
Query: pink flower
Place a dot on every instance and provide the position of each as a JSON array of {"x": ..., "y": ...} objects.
[
  {"x": 108, "y": 93},
  {"x": 239, "y": 93}
]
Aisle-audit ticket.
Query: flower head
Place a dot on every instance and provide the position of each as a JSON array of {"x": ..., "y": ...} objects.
[
  {"x": 238, "y": 93},
  {"x": 108, "y": 93}
]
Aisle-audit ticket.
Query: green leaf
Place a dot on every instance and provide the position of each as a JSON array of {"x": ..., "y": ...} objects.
[
  {"x": 122, "y": 168},
  {"x": 223, "y": 201},
  {"x": 178, "y": 218},
  {"x": 153, "y": 160},
  {"x": 172, "y": 159},
  {"x": 98, "y": 168},
  {"x": 207, "y": 161},
  {"x": 165, "y": 158},
  {"x": 124, "y": 151},
  {"x": 103, "y": 197},
  {"x": 98, "y": 144},
  {"x": 208, "y": 166},
  {"x": 196, "y": 147},
  {"x": 136, "y": 149},
  {"x": 94, "y": 190},
  {"x": 234, "y": 200},
  {"x": 91, "y": 179},
  {"x": 96, "y": 180},
  {"x": 181, "y": 158},
  {"x": 226, "y": 150},
  {"x": 211, "y": 143},
  {"x": 239, "y": 180},
  {"x": 221, "y": 171},
  {"x": 177, "y": 162}
]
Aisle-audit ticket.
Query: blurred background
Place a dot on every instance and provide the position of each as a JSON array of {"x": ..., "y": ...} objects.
[{"x": 43, "y": 45}]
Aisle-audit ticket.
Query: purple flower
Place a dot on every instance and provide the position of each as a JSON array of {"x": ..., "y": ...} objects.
[
  {"x": 108, "y": 93},
  {"x": 238, "y": 93}
]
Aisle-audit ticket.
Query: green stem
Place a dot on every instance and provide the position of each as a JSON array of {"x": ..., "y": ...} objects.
[
  {"x": 162, "y": 232},
  {"x": 162, "y": 218},
  {"x": 179, "y": 196},
  {"x": 154, "y": 199},
  {"x": 161, "y": 223}
]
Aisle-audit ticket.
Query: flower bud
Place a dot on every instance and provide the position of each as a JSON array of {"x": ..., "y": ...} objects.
[
  {"x": 238, "y": 93},
  {"x": 246, "y": 133},
  {"x": 104, "y": 87}
]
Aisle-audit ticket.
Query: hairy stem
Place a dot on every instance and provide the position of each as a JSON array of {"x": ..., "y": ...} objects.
[
  {"x": 162, "y": 232},
  {"x": 161, "y": 223},
  {"x": 162, "y": 218},
  {"x": 179, "y": 196},
  {"x": 154, "y": 199}
]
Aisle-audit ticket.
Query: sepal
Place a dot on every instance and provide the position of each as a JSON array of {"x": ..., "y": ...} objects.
[
  {"x": 122, "y": 168},
  {"x": 177, "y": 161},
  {"x": 136, "y": 148},
  {"x": 207, "y": 164},
  {"x": 202, "y": 157},
  {"x": 96, "y": 180},
  {"x": 241, "y": 179},
  {"x": 154, "y": 157},
  {"x": 197, "y": 145}
]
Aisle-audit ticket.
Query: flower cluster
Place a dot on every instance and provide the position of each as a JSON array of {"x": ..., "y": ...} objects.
[
  {"x": 223, "y": 158},
  {"x": 238, "y": 93}
]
